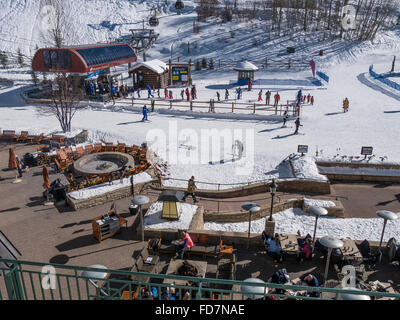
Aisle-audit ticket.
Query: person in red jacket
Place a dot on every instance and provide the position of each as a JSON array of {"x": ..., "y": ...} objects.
[
  {"x": 312, "y": 100},
  {"x": 166, "y": 93},
  {"x": 187, "y": 244},
  {"x": 308, "y": 98},
  {"x": 277, "y": 97},
  {"x": 187, "y": 94}
]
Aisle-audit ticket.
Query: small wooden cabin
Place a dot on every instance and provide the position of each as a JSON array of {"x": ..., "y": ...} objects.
[
  {"x": 245, "y": 70},
  {"x": 153, "y": 73}
]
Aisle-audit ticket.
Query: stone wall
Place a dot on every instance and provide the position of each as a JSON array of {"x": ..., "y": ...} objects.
[
  {"x": 362, "y": 178},
  {"x": 336, "y": 211},
  {"x": 107, "y": 197}
]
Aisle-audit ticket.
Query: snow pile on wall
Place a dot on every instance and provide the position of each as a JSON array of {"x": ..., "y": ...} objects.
[
  {"x": 361, "y": 171},
  {"x": 292, "y": 220},
  {"x": 106, "y": 187},
  {"x": 319, "y": 203},
  {"x": 306, "y": 168},
  {"x": 153, "y": 218}
]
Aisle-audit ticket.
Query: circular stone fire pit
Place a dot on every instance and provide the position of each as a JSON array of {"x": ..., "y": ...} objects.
[{"x": 102, "y": 162}]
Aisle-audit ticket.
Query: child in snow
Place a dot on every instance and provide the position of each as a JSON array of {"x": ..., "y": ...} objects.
[
  {"x": 345, "y": 105},
  {"x": 260, "y": 96},
  {"x": 182, "y": 93},
  {"x": 226, "y": 94},
  {"x": 187, "y": 94},
  {"x": 297, "y": 123},
  {"x": 144, "y": 110}
]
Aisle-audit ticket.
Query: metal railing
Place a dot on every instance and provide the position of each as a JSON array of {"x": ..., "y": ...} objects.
[{"x": 28, "y": 280}]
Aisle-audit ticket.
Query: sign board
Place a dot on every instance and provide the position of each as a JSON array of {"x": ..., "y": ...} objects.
[
  {"x": 301, "y": 148},
  {"x": 180, "y": 75},
  {"x": 367, "y": 151},
  {"x": 94, "y": 74}
]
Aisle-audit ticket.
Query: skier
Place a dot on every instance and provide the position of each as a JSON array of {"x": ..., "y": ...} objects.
[
  {"x": 182, "y": 94},
  {"x": 218, "y": 96},
  {"x": 144, "y": 111},
  {"x": 249, "y": 83},
  {"x": 312, "y": 100},
  {"x": 170, "y": 94},
  {"x": 239, "y": 92},
  {"x": 192, "y": 92},
  {"x": 308, "y": 98},
  {"x": 285, "y": 117},
  {"x": 138, "y": 92},
  {"x": 297, "y": 123},
  {"x": 345, "y": 105},
  {"x": 299, "y": 95},
  {"x": 260, "y": 96},
  {"x": 191, "y": 190},
  {"x": 149, "y": 94},
  {"x": 187, "y": 94},
  {"x": 277, "y": 97},
  {"x": 166, "y": 93},
  {"x": 226, "y": 94},
  {"x": 267, "y": 97}
]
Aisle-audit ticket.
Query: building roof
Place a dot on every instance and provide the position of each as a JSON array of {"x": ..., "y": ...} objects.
[
  {"x": 245, "y": 66},
  {"x": 84, "y": 58},
  {"x": 155, "y": 65}
]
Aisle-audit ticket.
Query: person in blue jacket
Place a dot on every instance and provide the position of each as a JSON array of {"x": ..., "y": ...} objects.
[
  {"x": 274, "y": 248},
  {"x": 311, "y": 281},
  {"x": 144, "y": 110},
  {"x": 149, "y": 92},
  {"x": 138, "y": 92},
  {"x": 299, "y": 95}
]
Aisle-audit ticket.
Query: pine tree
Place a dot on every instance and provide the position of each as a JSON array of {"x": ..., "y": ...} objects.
[
  {"x": 211, "y": 64},
  {"x": 204, "y": 63},
  {"x": 20, "y": 58},
  {"x": 3, "y": 59},
  {"x": 198, "y": 65}
]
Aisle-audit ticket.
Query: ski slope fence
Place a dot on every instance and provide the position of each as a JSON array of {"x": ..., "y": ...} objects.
[
  {"x": 382, "y": 78},
  {"x": 323, "y": 76}
]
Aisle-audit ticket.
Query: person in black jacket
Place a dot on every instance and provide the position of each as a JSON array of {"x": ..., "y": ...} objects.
[
  {"x": 297, "y": 123},
  {"x": 311, "y": 281}
]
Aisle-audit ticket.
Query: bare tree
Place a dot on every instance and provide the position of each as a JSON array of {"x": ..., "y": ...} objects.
[{"x": 64, "y": 103}]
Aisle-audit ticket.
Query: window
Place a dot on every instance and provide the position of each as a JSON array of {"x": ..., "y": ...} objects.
[{"x": 57, "y": 59}]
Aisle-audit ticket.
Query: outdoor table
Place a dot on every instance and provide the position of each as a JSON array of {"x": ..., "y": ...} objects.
[
  {"x": 289, "y": 243},
  {"x": 350, "y": 251},
  {"x": 175, "y": 264}
]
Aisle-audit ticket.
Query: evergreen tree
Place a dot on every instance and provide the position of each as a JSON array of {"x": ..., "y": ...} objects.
[
  {"x": 204, "y": 63},
  {"x": 34, "y": 77},
  {"x": 198, "y": 65},
  {"x": 20, "y": 58},
  {"x": 211, "y": 64},
  {"x": 3, "y": 59}
]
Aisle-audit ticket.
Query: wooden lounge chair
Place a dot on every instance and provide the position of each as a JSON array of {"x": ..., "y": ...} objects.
[
  {"x": 108, "y": 147},
  {"x": 8, "y": 135},
  {"x": 79, "y": 152},
  {"x": 58, "y": 138},
  {"x": 89, "y": 149},
  {"x": 120, "y": 147},
  {"x": 69, "y": 153},
  {"x": 23, "y": 136},
  {"x": 97, "y": 147}
]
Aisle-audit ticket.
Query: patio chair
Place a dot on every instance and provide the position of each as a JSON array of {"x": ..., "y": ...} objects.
[
  {"x": 120, "y": 147},
  {"x": 108, "y": 147},
  {"x": 98, "y": 147},
  {"x": 23, "y": 136},
  {"x": 79, "y": 152},
  {"x": 35, "y": 139},
  {"x": 88, "y": 149},
  {"x": 369, "y": 259}
]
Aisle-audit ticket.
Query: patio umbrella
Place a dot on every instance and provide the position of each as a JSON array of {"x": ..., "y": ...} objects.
[
  {"x": 330, "y": 243},
  {"x": 94, "y": 276},
  {"x": 385, "y": 215},
  {"x": 317, "y": 212},
  {"x": 254, "y": 292},
  {"x": 13, "y": 164},
  {"x": 140, "y": 200},
  {"x": 46, "y": 184}
]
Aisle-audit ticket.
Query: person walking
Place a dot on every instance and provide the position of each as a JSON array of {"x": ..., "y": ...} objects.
[
  {"x": 19, "y": 167},
  {"x": 218, "y": 97},
  {"x": 260, "y": 96},
  {"x": 195, "y": 92},
  {"x": 183, "y": 94},
  {"x": 297, "y": 123},
  {"x": 226, "y": 94},
  {"x": 299, "y": 95},
  {"x": 149, "y": 94},
  {"x": 345, "y": 105},
  {"x": 312, "y": 100},
  {"x": 144, "y": 111},
  {"x": 249, "y": 82},
  {"x": 192, "y": 92},
  {"x": 166, "y": 93},
  {"x": 191, "y": 190},
  {"x": 267, "y": 97},
  {"x": 187, "y": 94},
  {"x": 277, "y": 98},
  {"x": 153, "y": 102},
  {"x": 285, "y": 117}
]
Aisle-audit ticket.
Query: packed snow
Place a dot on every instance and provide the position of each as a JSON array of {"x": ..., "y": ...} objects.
[
  {"x": 306, "y": 168},
  {"x": 292, "y": 220},
  {"x": 153, "y": 219},
  {"x": 319, "y": 203},
  {"x": 100, "y": 189}
]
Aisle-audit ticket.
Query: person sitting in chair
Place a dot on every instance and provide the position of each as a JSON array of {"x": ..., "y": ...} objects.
[
  {"x": 187, "y": 244},
  {"x": 274, "y": 248},
  {"x": 311, "y": 281},
  {"x": 305, "y": 249}
]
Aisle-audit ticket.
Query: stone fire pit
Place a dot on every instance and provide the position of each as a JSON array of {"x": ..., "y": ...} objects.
[{"x": 103, "y": 162}]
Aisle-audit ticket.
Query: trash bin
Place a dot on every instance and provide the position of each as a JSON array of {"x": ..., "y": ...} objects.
[{"x": 133, "y": 209}]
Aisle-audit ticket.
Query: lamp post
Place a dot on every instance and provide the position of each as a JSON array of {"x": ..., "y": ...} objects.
[
  {"x": 386, "y": 215},
  {"x": 272, "y": 189},
  {"x": 140, "y": 200},
  {"x": 330, "y": 243},
  {"x": 317, "y": 212},
  {"x": 250, "y": 207}
]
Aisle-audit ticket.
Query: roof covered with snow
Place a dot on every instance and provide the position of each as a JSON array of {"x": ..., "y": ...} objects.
[
  {"x": 245, "y": 66},
  {"x": 154, "y": 65}
]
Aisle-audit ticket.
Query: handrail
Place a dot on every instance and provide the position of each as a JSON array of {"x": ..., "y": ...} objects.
[{"x": 141, "y": 275}]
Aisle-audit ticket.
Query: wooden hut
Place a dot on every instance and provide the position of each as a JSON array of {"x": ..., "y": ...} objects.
[
  {"x": 245, "y": 70},
  {"x": 153, "y": 73}
]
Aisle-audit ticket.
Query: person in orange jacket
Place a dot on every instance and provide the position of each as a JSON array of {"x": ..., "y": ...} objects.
[
  {"x": 187, "y": 244},
  {"x": 277, "y": 98}
]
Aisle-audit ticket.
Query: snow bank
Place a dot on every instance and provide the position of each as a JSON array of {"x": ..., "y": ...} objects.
[
  {"x": 306, "y": 168},
  {"x": 292, "y": 220},
  {"x": 319, "y": 203},
  {"x": 105, "y": 187},
  {"x": 153, "y": 219}
]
